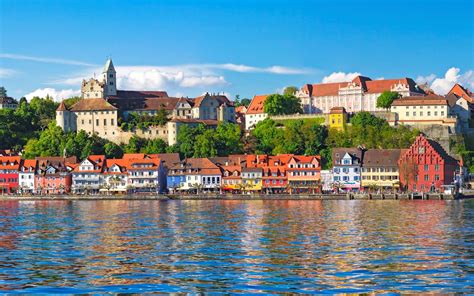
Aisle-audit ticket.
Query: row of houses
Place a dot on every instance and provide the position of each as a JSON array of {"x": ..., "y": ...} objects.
[
  {"x": 423, "y": 167},
  {"x": 95, "y": 174}
]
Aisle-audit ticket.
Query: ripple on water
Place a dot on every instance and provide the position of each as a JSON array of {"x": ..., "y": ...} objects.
[{"x": 237, "y": 246}]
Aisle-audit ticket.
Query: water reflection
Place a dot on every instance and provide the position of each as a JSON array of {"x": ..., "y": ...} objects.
[{"x": 236, "y": 246}]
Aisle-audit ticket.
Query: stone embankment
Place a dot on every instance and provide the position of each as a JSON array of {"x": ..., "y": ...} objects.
[{"x": 349, "y": 196}]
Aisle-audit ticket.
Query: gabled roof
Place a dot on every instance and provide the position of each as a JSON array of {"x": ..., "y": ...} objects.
[
  {"x": 29, "y": 163},
  {"x": 256, "y": 105},
  {"x": 460, "y": 91},
  {"x": 339, "y": 153},
  {"x": 98, "y": 104},
  {"x": 337, "y": 110},
  {"x": 381, "y": 157},
  {"x": 61, "y": 107},
  {"x": 221, "y": 100},
  {"x": 108, "y": 66},
  {"x": 203, "y": 166},
  {"x": 368, "y": 86}
]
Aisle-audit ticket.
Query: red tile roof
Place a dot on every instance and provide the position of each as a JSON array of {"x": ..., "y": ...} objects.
[
  {"x": 62, "y": 107},
  {"x": 221, "y": 99},
  {"x": 460, "y": 91},
  {"x": 10, "y": 162},
  {"x": 92, "y": 105},
  {"x": 256, "y": 105},
  {"x": 368, "y": 86}
]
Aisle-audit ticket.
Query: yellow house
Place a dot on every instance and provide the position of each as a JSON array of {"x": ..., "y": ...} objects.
[
  {"x": 380, "y": 168},
  {"x": 337, "y": 117},
  {"x": 252, "y": 179}
]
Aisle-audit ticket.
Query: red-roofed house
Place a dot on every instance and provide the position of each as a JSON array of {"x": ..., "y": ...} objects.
[
  {"x": 360, "y": 94},
  {"x": 425, "y": 166},
  {"x": 86, "y": 177},
  {"x": 9, "y": 170},
  {"x": 461, "y": 101},
  {"x": 304, "y": 173},
  {"x": 27, "y": 175},
  {"x": 53, "y": 175},
  {"x": 146, "y": 175},
  {"x": 255, "y": 112}
]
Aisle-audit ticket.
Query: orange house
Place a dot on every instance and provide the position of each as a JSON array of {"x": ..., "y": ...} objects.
[
  {"x": 304, "y": 173},
  {"x": 53, "y": 175}
]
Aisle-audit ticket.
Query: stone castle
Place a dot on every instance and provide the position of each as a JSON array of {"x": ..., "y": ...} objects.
[{"x": 102, "y": 108}]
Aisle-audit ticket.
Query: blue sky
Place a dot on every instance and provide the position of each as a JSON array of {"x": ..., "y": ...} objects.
[{"x": 237, "y": 47}]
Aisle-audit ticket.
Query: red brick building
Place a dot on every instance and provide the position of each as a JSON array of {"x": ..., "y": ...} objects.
[{"x": 426, "y": 166}]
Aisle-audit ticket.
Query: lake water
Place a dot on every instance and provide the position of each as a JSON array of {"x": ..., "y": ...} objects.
[{"x": 236, "y": 246}]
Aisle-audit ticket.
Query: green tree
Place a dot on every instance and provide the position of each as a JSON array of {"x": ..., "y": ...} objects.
[
  {"x": 71, "y": 101},
  {"x": 386, "y": 99},
  {"x": 244, "y": 102},
  {"x": 113, "y": 150},
  {"x": 290, "y": 90},
  {"x": 135, "y": 144},
  {"x": 44, "y": 109},
  {"x": 365, "y": 118},
  {"x": 155, "y": 146},
  {"x": 50, "y": 143},
  {"x": 277, "y": 104},
  {"x": 228, "y": 138}
]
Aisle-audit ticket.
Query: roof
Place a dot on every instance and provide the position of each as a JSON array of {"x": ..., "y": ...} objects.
[
  {"x": 368, "y": 86},
  {"x": 241, "y": 109},
  {"x": 7, "y": 161},
  {"x": 92, "y": 105},
  {"x": 256, "y": 105},
  {"x": 460, "y": 91},
  {"x": 221, "y": 99},
  {"x": 203, "y": 166},
  {"x": 62, "y": 107},
  {"x": 337, "y": 110},
  {"x": 151, "y": 103},
  {"x": 431, "y": 99},
  {"x": 339, "y": 153},
  {"x": 169, "y": 159},
  {"x": 29, "y": 163},
  {"x": 108, "y": 65},
  {"x": 381, "y": 157},
  {"x": 440, "y": 150}
]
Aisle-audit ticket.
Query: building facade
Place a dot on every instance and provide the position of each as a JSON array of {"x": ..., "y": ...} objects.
[
  {"x": 357, "y": 95},
  {"x": 347, "y": 164},
  {"x": 26, "y": 175},
  {"x": 426, "y": 167},
  {"x": 380, "y": 169},
  {"x": 255, "y": 112},
  {"x": 104, "y": 110},
  {"x": 9, "y": 174}
]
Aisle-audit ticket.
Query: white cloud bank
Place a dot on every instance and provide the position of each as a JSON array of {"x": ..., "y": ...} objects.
[
  {"x": 12, "y": 56},
  {"x": 340, "y": 77},
  {"x": 444, "y": 84},
  {"x": 57, "y": 95}
]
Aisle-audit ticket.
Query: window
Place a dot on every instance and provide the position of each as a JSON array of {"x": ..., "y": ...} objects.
[
  {"x": 426, "y": 167},
  {"x": 429, "y": 113},
  {"x": 442, "y": 113},
  {"x": 111, "y": 75},
  {"x": 436, "y": 177},
  {"x": 356, "y": 178},
  {"x": 414, "y": 113},
  {"x": 426, "y": 178},
  {"x": 421, "y": 113},
  {"x": 336, "y": 170},
  {"x": 97, "y": 122},
  {"x": 336, "y": 178},
  {"x": 345, "y": 178},
  {"x": 408, "y": 113},
  {"x": 112, "y": 123},
  {"x": 436, "y": 113},
  {"x": 436, "y": 167},
  {"x": 105, "y": 122}
]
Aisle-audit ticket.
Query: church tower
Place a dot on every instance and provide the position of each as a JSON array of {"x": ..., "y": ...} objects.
[{"x": 109, "y": 77}]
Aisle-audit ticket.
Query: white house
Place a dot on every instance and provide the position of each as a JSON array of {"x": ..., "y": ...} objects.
[
  {"x": 26, "y": 176},
  {"x": 86, "y": 177},
  {"x": 194, "y": 174},
  {"x": 346, "y": 168},
  {"x": 255, "y": 113}
]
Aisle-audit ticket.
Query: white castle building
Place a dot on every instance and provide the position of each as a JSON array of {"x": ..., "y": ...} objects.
[
  {"x": 360, "y": 94},
  {"x": 103, "y": 108}
]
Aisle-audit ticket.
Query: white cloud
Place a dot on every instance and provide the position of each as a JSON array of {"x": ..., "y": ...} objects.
[
  {"x": 43, "y": 60},
  {"x": 444, "y": 84},
  {"x": 425, "y": 79},
  {"x": 57, "y": 95},
  {"x": 340, "y": 77},
  {"x": 5, "y": 73}
]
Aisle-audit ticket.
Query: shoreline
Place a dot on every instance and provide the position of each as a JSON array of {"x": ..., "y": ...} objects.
[{"x": 164, "y": 197}]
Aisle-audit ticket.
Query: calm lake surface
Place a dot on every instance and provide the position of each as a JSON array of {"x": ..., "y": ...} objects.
[{"x": 236, "y": 246}]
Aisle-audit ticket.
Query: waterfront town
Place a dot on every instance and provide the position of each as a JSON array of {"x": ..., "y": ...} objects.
[{"x": 424, "y": 161}]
